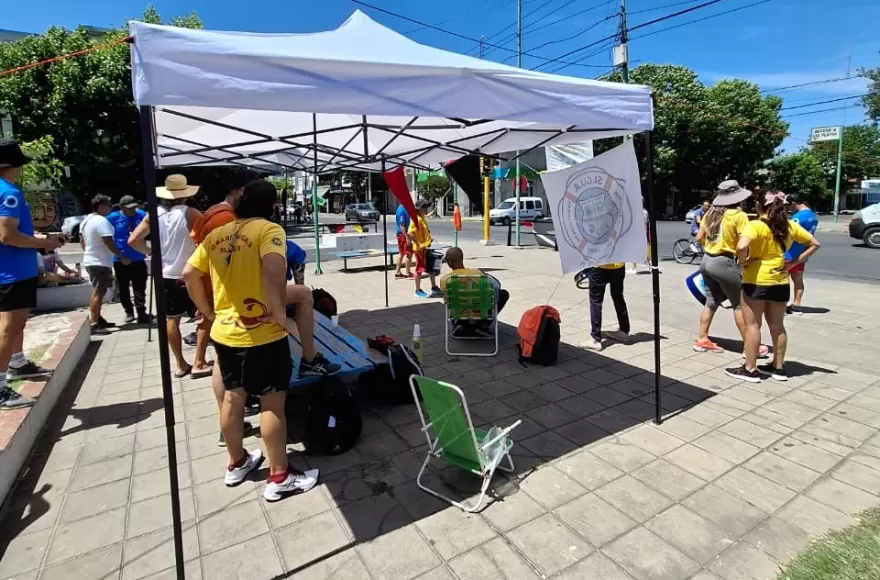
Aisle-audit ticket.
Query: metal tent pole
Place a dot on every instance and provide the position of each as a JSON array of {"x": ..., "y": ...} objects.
[
  {"x": 315, "y": 195},
  {"x": 517, "y": 186},
  {"x": 164, "y": 362},
  {"x": 150, "y": 311},
  {"x": 385, "y": 234},
  {"x": 655, "y": 271}
]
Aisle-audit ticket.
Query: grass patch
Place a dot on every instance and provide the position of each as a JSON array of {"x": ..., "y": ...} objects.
[{"x": 852, "y": 553}]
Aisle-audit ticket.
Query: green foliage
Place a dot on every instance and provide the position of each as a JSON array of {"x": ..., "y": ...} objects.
[
  {"x": 801, "y": 173},
  {"x": 44, "y": 171},
  {"x": 83, "y": 104},
  {"x": 434, "y": 187},
  {"x": 871, "y": 101},
  {"x": 861, "y": 154},
  {"x": 704, "y": 135}
]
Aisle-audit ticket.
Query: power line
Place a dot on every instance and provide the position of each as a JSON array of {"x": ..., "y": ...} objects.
[
  {"x": 457, "y": 35},
  {"x": 582, "y": 32},
  {"x": 824, "y": 102},
  {"x": 466, "y": 15},
  {"x": 817, "y": 111},
  {"x": 498, "y": 33},
  {"x": 637, "y": 27},
  {"x": 809, "y": 84},
  {"x": 555, "y": 22},
  {"x": 753, "y": 4},
  {"x": 673, "y": 5}
]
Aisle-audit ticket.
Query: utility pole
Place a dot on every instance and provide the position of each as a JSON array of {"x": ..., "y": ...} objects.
[
  {"x": 621, "y": 52},
  {"x": 840, "y": 152},
  {"x": 481, "y": 46},
  {"x": 517, "y": 184}
]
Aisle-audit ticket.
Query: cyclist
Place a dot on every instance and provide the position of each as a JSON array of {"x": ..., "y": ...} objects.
[{"x": 699, "y": 213}]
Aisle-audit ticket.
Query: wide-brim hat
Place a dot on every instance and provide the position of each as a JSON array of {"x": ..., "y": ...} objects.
[
  {"x": 11, "y": 154},
  {"x": 176, "y": 187},
  {"x": 730, "y": 193}
]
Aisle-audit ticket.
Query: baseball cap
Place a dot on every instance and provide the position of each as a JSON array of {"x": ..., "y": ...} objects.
[
  {"x": 11, "y": 154},
  {"x": 128, "y": 202}
]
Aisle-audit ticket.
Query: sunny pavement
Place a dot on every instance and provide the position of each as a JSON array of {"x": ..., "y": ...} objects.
[{"x": 729, "y": 487}]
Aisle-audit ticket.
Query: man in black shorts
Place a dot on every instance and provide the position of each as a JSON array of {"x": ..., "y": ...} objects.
[
  {"x": 245, "y": 261},
  {"x": 18, "y": 275}
]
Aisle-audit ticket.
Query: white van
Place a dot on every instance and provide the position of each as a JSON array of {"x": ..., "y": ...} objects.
[
  {"x": 865, "y": 226},
  {"x": 530, "y": 208}
]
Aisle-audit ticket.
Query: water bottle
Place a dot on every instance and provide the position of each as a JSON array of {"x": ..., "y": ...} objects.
[{"x": 416, "y": 345}]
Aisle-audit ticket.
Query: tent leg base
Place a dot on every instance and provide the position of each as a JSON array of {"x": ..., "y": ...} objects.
[{"x": 487, "y": 243}]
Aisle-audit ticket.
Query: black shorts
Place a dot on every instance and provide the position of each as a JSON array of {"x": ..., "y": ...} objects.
[
  {"x": 177, "y": 300},
  {"x": 21, "y": 295},
  {"x": 101, "y": 277},
  {"x": 777, "y": 293},
  {"x": 259, "y": 370}
]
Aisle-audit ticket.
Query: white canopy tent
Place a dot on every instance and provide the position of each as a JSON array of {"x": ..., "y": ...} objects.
[{"x": 360, "y": 97}]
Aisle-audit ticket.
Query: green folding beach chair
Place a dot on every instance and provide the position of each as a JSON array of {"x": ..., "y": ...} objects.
[
  {"x": 455, "y": 440},
  {"x": 470, "y": 298}
]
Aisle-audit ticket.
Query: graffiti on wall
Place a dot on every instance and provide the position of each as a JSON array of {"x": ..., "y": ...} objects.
[{"x": 48, "y": 210}]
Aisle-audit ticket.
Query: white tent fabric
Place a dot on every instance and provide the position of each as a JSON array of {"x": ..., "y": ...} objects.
[{"x": 232, "y": 97}]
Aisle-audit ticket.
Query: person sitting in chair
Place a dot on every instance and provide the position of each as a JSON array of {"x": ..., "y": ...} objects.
[
  {"x": 54, "y": 272},
  {"x": 454, "y": 258}
]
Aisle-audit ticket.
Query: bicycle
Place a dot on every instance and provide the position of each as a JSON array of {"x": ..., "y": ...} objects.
[{"x": 685, "y": 251}]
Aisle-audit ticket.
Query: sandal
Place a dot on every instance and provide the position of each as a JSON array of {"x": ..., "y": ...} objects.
[
  {"x": 400, "y": 276},
  {"x": 183, "y": 373},
  {"x": 202, "y": 373}
]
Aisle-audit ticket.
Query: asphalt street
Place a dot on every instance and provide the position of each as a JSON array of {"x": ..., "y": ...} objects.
[{"x": 840, "y": 256}]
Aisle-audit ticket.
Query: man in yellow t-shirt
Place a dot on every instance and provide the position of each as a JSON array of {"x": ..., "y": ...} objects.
[
  {"x": 245, "y": 261},
  {"x": 420, "y": 236},
  {"x": 454, "y": 258},
  {"x": 611, "y": 275}
]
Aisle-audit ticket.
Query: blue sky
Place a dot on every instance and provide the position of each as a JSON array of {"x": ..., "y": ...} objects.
[{"x": 776, "y": 44}]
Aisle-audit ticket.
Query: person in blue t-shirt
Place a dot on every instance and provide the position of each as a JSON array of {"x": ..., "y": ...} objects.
[
  {"x": 296, "y": 263},
  {"x": 404, "y": 248},
  {"x": 698, "y": 220},
  {"x": 131, "y": 276},
  {"x": 19, "y": 273},
  {"x": 808, "y": 220}
]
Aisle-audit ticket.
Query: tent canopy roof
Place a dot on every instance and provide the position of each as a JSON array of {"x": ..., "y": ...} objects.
[{"x": 354, "y": 97}]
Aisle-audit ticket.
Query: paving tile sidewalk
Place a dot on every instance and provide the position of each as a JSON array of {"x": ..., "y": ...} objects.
[{"x": 729, "y": 487}]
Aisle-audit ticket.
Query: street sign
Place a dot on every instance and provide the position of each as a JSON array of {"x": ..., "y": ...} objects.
[{"x": 824, "y": 134}]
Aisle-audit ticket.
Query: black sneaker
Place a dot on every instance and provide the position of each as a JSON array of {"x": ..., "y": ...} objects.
[
  {"x": 10, "y": 400},
  {"x": 742, "y": 374},
  {"x": 190, "y": 339},
  {"x": 129, "y": 318},
  {"x": 319, "y": 366},
  {"x": 145, "y": 318},
  {"x": 775, "y": 373},
  {"x": 98, "y": 330},
  {"x": 792, "y": 309},
  {"x": 28, "y": 371},
  {"x": 103, "y": 323}
]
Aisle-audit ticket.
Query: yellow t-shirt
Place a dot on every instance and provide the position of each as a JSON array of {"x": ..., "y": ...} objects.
[
  {"x": 419, "y": 229},
  {"x": 239, "y": 295},
  {"x": 461, "y": 272},
  {"x": 767, "y": 267},
  {"x": 733, "y": 222},
  {"x": 614, "y": 266}
]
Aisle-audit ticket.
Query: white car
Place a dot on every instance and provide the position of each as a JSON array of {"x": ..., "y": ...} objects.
[
  {"x": 70, "y": 226},
  {"x": 865, "y": 226},
  {"x": 530, "y": 208}
]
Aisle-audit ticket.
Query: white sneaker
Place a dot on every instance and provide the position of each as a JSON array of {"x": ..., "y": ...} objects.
[
  {"x": 592, "y": 344},
  {"x": 236, "y": 475},
  {"x": 618, "y": 336},
  {"x": 296, "y": 482}
]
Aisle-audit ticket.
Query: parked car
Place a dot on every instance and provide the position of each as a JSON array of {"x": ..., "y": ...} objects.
[
  {"x": 689, "y": 216},
  {"x": 361, "y": 212},
  {"x": 530, "y": 208},
  {"x": 865, "y": 226},
  {"x": 70, "y": 226}
]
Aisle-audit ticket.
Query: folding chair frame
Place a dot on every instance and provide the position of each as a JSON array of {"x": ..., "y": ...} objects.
[
  {"x": 448, "y": 322},
  {"x": 435, "y": 450}
]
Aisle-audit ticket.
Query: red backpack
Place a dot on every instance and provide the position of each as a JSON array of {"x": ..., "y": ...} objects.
[{"x": 538, "y": 332}]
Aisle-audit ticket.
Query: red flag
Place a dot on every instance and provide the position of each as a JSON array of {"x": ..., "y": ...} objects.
[{"x": 396, "y": 181}]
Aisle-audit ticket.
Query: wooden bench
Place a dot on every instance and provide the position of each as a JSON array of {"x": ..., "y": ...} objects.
[
  {"x": 357, "y": 254},
  {"x": 339, "y": 346}
]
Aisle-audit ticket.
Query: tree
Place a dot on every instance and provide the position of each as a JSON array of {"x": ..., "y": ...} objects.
[
  {"x": 801, "y": 173},
  {"x": 704, "y": 135},
  {"x": 871, "y": 101},
  {"x": 861, "y": 155},
  {"x": 84, "y": 104},
  {"x": 434, "y": 187},
  {"x": 43, "y": 172}
]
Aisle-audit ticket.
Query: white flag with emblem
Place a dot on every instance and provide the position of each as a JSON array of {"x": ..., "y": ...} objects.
[{"x": 597, "y": 210}]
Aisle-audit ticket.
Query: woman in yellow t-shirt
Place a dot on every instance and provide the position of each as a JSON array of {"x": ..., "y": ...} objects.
[
  {"x": 720, "y": 230},
  {"x": 761, "y": 252}
]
